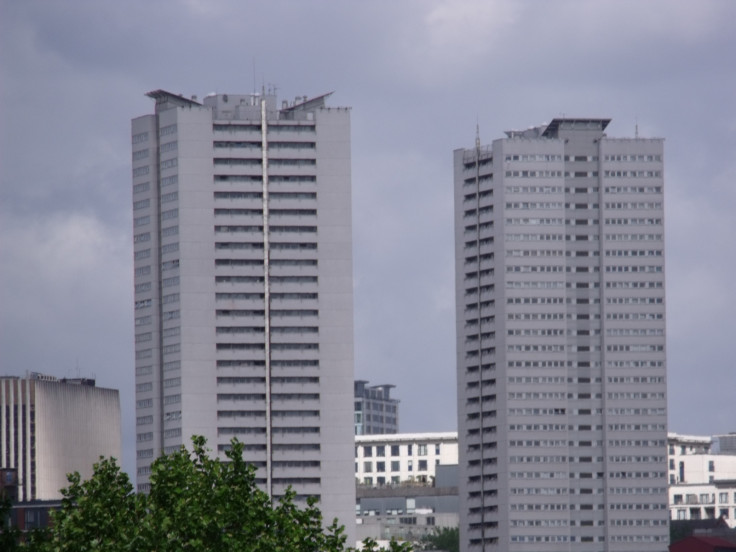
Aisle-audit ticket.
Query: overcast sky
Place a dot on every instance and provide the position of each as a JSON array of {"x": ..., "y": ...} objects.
[{"x": 418, "y": 75}]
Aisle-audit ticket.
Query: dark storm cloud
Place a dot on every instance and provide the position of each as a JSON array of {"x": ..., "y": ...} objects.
[{"x": 418, "y": 75}]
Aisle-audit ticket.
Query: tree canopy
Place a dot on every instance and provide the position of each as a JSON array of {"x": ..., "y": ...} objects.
[
  {"x": 443, "y": 538},
  {"x": 196, "y": 504}
]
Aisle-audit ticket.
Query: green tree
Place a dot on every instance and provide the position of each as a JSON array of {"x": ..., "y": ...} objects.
[
  {"x": 9, "y": 535},
  {"x": 443, "y": 538},
  {"x": 196, "y": 504}
]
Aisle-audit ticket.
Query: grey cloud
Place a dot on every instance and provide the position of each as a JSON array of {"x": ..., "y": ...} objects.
[{"x": 418, "y": 76}]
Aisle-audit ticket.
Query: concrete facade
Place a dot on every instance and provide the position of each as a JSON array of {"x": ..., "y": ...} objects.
[
  {"x": 243, "y": 287},
  {"x": 406, "y": 484},
  {"x": 403, "y": 457},
  {"x": 702, "y": 476},
  {"x": 50, "y": 428},
  {"x": 408, "y": 512},
  {"x": 376, "y": 412},
  {"x": 559, "y": 239}
]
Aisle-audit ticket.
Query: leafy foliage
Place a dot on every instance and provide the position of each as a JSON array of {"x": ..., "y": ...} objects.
[
  {"x": 196, "y": 504},
  {"x": 443, "y": 538},
  {"x": 9, "y": 536}
]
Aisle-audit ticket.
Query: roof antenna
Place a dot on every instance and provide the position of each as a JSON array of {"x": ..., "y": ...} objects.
[
  {"x": 636, "y": 127},
  {"x": 254, "y": 75},
  {"x": 477, "y": 134}
]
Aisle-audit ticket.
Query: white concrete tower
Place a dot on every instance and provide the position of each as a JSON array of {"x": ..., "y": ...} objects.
[
  {"x": 243, "y": 288},
  {"x": 559, "y": 238}
]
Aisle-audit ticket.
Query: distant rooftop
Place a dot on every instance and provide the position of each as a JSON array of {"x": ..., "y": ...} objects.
[
  {"x": 402, "y": 437},
  {"x": 162, "y": 96},
  {"x": 242, "y": 106},
  {"x": 552, "y": 129},
  {"x": 700, "y": 439},
  {"x": 38, "y": 376}
]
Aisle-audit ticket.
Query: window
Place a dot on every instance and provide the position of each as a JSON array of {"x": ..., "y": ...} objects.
[
  {"x": 381, "y": 450},
  {"x": 169, "y": 164},
  {"x": 395, "y": 465},
  {"x": 145, "y": 286},
  {"x": 395, "y": 450},
  {"x": 422, "y": 465},
  {"x": 168, "y": 146},
  {"x": 172, "y": 399},
  {"x": 380, "y": 466},
  {"x": 711, "y": 466},
  {"x": 172, "y": 382},
  {"x": 166, "y": 130},
  {"x": 437, "y": 449},
  {"x": 367, "y": 467},
  {"x": 367, "y": 451},
  {"x": 169, "y": 180},
  {"x": 410, "y": 465},
  {"x": 723, "y": 498},
  {"x": 409, "y": 449},
  {"x": 422, "y": 450},
  {"x": 141, "y": 221}
]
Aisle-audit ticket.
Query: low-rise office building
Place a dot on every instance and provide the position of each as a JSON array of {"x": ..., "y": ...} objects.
[
  {"x": 702, "y": 476},
  {"x": 402, "y": 457},
  {"x": 50, "y": 427},
  {"x": 406, "y": 485}
]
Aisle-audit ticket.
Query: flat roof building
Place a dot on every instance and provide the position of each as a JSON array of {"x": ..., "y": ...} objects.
[
  {"x": 402, "y": 458},
  {"x": 560, "y": 309},
  {"x": 702, "y": 477},
  {"x": 243, "y": 287},
  {"x": 406, "y": 484},
  {"x": 376, "y": 412},
  {"x": 51, "y": 427}
]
